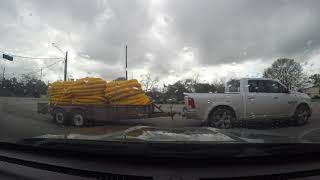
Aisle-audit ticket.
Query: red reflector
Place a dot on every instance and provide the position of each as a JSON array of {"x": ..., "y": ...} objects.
[{"x": 191, "y": 103}]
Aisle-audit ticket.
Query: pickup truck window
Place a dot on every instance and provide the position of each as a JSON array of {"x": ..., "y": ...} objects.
[
  {"x": 233, "y": 86},
  {"x": 253, "y": 86},
  {"x": 265, "y": 86},
  {"x": 257, "y": 86},
  {"x": 262, "y": 86},
  {"x": 278, "y": 88}
]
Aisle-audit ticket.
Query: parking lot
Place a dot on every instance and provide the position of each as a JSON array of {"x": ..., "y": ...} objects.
[{"x": 19, "y": 119}]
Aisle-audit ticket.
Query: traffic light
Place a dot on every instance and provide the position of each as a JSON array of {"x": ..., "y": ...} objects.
[{"x": 6, "y": 56}]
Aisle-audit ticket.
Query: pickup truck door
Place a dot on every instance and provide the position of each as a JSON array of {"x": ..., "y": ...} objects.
[
  {"x": 284, "y": 101},
  {"x": 258, "y": 100}
]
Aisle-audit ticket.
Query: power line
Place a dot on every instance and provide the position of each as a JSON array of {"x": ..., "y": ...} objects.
[
  {"x": 29, "y": 57},
  {"x": 53, "y": 64},
  {"x": 46, "y": 67}
]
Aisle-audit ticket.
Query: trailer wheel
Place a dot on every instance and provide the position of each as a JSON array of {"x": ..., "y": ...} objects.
[
  {"x": 60, "y": 116},
  {"x": 79, "y": 118}
]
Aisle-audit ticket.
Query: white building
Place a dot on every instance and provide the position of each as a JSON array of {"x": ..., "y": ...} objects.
[{"x": 313, "y": 91}]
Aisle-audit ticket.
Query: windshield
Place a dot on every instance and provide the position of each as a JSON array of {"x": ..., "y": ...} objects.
[{"x": 152, "y": 71}]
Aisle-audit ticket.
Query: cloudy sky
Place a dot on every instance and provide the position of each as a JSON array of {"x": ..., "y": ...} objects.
[{"x": 170, "y": 39}]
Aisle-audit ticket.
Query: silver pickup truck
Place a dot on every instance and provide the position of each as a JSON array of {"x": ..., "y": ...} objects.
[{"x": 248, "y": 99}]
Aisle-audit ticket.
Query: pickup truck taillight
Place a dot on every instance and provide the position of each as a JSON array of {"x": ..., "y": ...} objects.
[{"x": 191, "y": 103}]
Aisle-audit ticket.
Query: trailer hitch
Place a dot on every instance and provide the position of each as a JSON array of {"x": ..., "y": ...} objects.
[{"x": 163, "y": 113}]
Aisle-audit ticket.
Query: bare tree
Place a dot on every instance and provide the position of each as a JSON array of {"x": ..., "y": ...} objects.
[
  {"x": 192, "y": 82},
  {"x": 287, "y": 71},
  {"x": 219, "y": 85},
  {"x": 195, "y": 78},
  {"x": 148, "y": 82}
]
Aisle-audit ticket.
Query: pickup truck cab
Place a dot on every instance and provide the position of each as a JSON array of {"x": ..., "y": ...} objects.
[{"x": 248, "y": 99}]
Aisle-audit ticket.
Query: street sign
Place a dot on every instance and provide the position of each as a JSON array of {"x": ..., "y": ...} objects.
[{"x": 8, "y": 57}]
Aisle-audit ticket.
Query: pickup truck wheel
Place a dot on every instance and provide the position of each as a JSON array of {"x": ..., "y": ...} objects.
[
  {"x": 60, "y": 117},
  {"x": 221, "y": 118},
  {"x": 301, "y": 115},
  {"x": 78, "y": 118}
]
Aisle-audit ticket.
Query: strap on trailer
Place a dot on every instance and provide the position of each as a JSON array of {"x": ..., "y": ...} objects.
[
  {"x": 162, "y": 113},
  {"x": 42, "y": 108},
  {"x": 157, "y": 107}
]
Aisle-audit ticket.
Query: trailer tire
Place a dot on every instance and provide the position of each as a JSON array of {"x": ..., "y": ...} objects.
[
  {"x": 60, "y": 116},
  {"x": 79, "y": 118}
]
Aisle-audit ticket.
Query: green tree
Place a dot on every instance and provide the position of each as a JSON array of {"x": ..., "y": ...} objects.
[
  {"x": 156, "y": 96},
  {"x": 287, "y": 71},
  {"x": 315, "y": 79},
  {"x": 204, "y": 88},
  {"x": 175, "y": 92},
  {"x": 26, "y": 86}
]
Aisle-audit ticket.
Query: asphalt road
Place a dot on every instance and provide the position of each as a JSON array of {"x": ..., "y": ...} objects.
[{"x": 19, "y": 119}]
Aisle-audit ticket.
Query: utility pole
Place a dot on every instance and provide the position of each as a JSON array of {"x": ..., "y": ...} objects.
[
  {"x": 65, "y": 66},
  {"x": 9, "y": 58},
  {"x": 65, "y": 60},
  {"x": 3, "y": 71},
  {"x": 41, "y": 74},
  {"x": 126, "y": 62}
]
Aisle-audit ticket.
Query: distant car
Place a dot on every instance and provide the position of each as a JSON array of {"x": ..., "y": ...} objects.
[{"x": 248, "y": 99}]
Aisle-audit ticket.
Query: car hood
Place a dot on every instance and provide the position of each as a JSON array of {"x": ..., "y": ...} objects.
[
  {"x": 190, "y": 134},
  {"x": 186, "y": 143},
  {"x": 301, "y": 95}
]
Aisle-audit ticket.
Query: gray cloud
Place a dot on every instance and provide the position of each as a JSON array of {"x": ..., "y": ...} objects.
[
  {"x": 226, "y": 31},
  {"x": 218, "y": 32}
]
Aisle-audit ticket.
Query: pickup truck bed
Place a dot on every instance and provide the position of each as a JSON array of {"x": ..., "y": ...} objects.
[{"x": 204, "y": 101}]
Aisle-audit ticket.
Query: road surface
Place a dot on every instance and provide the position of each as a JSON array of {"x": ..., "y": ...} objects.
[{"x": 20, "y": 120}]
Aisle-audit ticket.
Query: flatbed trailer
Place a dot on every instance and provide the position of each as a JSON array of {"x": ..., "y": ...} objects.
[{"x": 86, "y": 114}]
